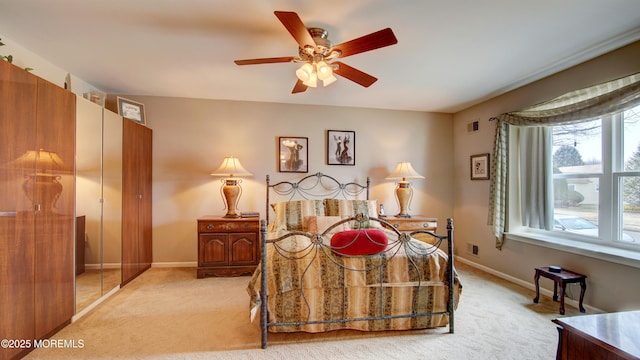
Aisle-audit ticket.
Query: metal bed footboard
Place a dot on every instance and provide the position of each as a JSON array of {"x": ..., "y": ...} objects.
[{"x": 402, "y": 239}]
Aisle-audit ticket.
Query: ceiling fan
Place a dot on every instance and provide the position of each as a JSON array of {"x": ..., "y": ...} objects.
[{"x": 318, "y": 56}]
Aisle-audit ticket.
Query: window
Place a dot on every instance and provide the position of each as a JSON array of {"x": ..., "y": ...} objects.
[
  {"x": 596, "y": 180},
  {"x": 521, "y": 191}
]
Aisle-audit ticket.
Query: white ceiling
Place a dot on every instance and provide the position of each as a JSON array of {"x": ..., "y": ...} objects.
[{"x": 450, "y": 54}]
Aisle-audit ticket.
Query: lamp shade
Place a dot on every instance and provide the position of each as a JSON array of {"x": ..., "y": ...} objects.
[
  {"x": 403, "y": 171},
  {"x": 41, "y": 159},
  {"x": 231, "y": 167}
]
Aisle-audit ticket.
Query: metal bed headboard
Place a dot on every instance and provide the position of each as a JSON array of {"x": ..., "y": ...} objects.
[{"x": 313, "y": 187}]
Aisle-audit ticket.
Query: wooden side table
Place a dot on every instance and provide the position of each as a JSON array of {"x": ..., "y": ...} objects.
[
  {"x": 228, "y": 246},
  {"x": 561, "y": 278},
  {"x": 415, "y": 222}
]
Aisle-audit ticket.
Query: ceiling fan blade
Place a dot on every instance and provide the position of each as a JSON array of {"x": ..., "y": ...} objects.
[
  {"x": 354, "y": 74},
  {"x": 296, "y": 27},
  {"x": 299, "y": 87},
  {"x": 265, "y": 60},
  {"x": 376, "y": 40}
]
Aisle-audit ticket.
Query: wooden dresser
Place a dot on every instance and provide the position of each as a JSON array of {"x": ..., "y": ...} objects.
[
  {"x": 228, "y": 246},
  {"x": 601, "y": 336}
]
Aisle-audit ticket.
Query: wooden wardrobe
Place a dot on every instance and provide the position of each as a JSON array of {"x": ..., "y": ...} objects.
[{"x": 37, "y": 196}]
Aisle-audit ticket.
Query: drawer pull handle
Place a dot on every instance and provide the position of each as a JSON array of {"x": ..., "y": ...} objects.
[
  {"x": 396, "y": 225},
  {"x": 210, "y": 227},
  {"x": 246, "y": 226}
]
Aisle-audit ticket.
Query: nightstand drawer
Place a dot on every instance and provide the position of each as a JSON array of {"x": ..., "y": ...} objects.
[
  {"x": 412, "y": 225},
  {"x": 211, "y": 226}
]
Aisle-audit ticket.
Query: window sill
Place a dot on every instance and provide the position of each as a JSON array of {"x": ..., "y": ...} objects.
[{"x": 606, "y": 253}]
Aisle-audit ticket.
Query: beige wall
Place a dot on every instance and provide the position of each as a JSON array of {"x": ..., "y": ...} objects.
[
  {"x": 43, "y": 68},
  {"x": 472, "y": 197},
  {"x": 192, "y": 136}
]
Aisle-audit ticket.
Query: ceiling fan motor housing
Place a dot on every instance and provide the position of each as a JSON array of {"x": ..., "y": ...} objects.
[{"x": 321, "y": 48}]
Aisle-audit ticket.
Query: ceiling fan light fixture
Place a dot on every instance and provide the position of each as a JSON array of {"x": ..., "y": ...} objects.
[
  {"x": 305, "y": 72},
  {"x": 312, "y": 81},
  {"x": 328, "y": 81},
  {"x": 324, "y": 70}
]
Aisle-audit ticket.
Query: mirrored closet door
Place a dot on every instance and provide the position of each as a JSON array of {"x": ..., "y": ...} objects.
[{"x": 98, "y": 202}]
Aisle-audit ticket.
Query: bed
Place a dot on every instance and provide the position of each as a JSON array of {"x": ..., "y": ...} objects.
[{"x": 329, "y": 263}]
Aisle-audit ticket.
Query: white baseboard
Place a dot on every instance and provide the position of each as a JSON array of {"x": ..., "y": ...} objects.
[
  {"x": 177, "y": 264},
  {"x": 525, "y": 284}
]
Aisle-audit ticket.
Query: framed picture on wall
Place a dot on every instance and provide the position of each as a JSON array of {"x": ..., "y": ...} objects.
[
  {"x": 131, "y": 110},
  {"x": 341, "y": 147},
  {"x": 480, "y": 167},
  {"x": 293, "y": 154}
]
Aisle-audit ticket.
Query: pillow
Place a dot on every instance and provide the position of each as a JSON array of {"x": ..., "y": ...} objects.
[
  {"x": 319, "y": 224},
  {"x": 290, "y": 214},
  {"x": 359, "y": 242},
  {"x": 349, "y": 208}
]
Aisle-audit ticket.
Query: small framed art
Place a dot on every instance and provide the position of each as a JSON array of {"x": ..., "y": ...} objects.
[
  {"x": 341, "y": 147},
  {"x": 131, "y": 110},
  {"x": 293, "y": 154},
  {"x": 480, "y": 167}
]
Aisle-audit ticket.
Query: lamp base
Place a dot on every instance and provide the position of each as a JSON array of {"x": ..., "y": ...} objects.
[
  {"x": 231, "y": 192},
  {"x": 43, "y": 189},
  {"x": 403, "y": 194}
]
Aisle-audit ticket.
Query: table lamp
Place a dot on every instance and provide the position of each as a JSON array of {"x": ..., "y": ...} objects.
[
  {"x": 41, "y": 187},
  {"x": 231, "y": 189},
  {"x": 404, "y": 171}
]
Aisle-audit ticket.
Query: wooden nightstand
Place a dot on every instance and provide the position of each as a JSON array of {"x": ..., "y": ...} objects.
[
  {"x": 415, "y": 222},
  {"x": 228, "y": 246}
]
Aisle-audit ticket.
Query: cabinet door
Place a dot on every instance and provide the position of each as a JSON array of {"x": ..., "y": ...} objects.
[
  {"x": 136, "y": 200},
  {"x": 17, "y": 136},
  {"x": 243, "y": 249},
  {"x": 213, "y": 250},
  {"x": 144, "y": 184},
  {"x": 130, "y": 201},
  {"x": 54, "y": 238}
]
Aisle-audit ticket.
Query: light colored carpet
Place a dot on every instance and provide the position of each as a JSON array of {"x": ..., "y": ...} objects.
[{"x": 169, "y": 314}]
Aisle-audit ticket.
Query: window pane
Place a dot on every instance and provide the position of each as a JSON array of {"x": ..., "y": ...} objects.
[
  {"x": 576, "y": 205},
  {"x": 577, "y": 148},
  {"x": 632, "y": 139},
  {"x": 631, "y": 210}
]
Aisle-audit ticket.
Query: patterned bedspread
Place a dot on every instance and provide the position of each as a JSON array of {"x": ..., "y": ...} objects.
[{"x": 308, "y": 282}]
